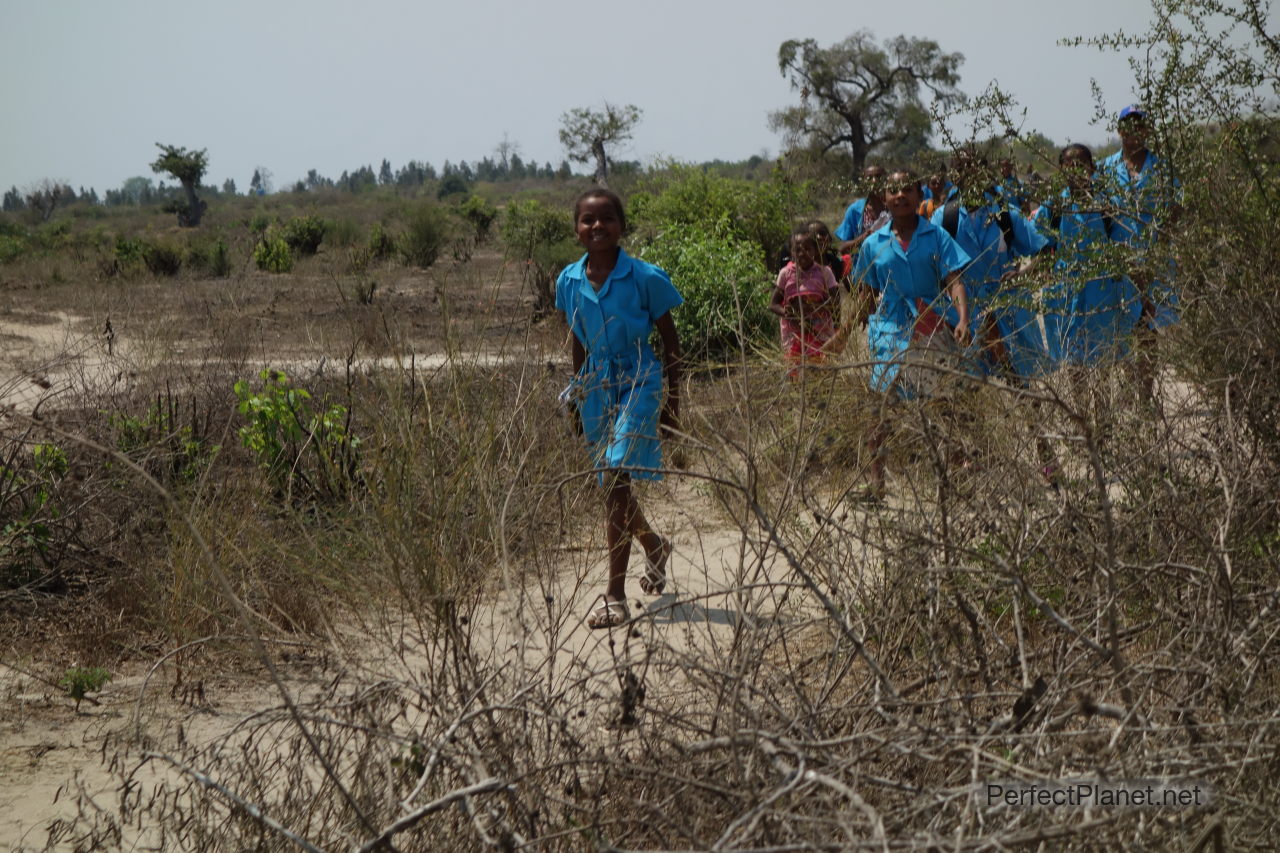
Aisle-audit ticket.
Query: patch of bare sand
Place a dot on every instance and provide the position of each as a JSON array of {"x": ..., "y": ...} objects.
[{"x": 721, "y": 584}]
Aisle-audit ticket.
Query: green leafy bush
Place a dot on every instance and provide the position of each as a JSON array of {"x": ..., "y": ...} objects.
[
  {"x": 11, "y": 248},
  {"x": 307, "y": 452},
  {"x": 304, "y": 234},
  {"x": 541, "y": 237},
  {"x": 762, "y": 212},
  {"x": 725, "y": 287},
  {"x": 169, "y": 451},
  {"x": 425, "y": 236},
  {"x": 381, "y": 244},
  {"x": 219, "y": 259},
  {"x": 162, "y": 259},
  {"x": 79, "y": 681},
  {"x": 480, "y": 215},
  {"x": 29, "y": 509},
  {"x": 343, "y": 233},
  {"x": 453, "y": 184},
  {"x": 272, "y": 254}
]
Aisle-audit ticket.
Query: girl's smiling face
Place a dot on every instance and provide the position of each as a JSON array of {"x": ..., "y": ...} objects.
[
  {"x": 805, "y": 252},
  {"x": 1078, "y": 168},
  {"x": 598, "y": 226},
  {"x": 901, "y": 195}
]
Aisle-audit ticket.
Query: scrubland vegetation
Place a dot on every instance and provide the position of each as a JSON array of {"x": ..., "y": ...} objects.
[{"x": 272, "y": 458}]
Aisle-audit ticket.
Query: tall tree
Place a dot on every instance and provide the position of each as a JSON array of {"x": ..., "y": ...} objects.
[
  {"x": 188, "y": 167},
  {"x": 586, "y": 134},
  {"x": 45, "y": 195},
  {"x": 385, "y": 175},
  {"x": 859, "y": 94}
]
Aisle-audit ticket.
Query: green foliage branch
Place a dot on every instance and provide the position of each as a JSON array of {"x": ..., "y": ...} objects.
[{"x": 307, "y": 451}]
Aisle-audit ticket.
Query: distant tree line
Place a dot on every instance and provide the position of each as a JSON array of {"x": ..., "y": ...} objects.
[{"x": 141, "y": 191}]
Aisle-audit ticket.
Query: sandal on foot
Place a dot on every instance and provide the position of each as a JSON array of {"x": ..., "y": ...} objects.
[
  {"x": 654, "y": 579},
  {"x": 608, "y": 614},
  {"x": 870, "y": 495},
  {"x": 1051, "y": 475}
]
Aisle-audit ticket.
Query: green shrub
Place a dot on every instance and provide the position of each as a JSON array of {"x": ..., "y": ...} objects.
[
  {"x": 343, "y": 233},
  {"x": 453, "y": 184},
  {"x": 169, "y": 451},
  {"x": 29, "y": 510},
  {"x": 425, "y": 236},
  {"x": 304, "y": 234},
  {"x": 219, "y": 259},
  {"x": 542, "y": 237},
  {"x": 763, "y": 212},
  {"x": 11, "y": 248},
  {"x": 272, "y": 254},
  {"x": 162, "y": 259},
  {"x": 381, "y": 244},
  {"x": 79, "y": 681},
  {"x": 306, "y": 452},
  {"x": 725, "y": 287},
  {"x": 480, "y": 215}
]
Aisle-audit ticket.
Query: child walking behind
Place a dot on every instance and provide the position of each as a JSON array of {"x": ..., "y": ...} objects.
[
  {"x": 612, "y": 302},
  {"x": 906, "y": 266},
  {"x": 806, "y": 299}
]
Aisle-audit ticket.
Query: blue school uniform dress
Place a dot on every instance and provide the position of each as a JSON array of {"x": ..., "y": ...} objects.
[
  {"x": 851, "y": 225},
  {"x": 900, "y": 277},
  {"x": 1089, "y": 315},
  {"x": 1013, "y": 191},
  {"x": 1141, "y": 201},
  {"x": 620, "y": 385},
  {"x": 1011, "y": 306}
]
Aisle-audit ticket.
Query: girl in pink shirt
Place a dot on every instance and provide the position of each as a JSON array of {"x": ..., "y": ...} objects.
[{"x": 806, "y": 299}]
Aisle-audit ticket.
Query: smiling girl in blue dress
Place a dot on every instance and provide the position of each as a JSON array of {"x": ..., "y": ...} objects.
[
  {"x": 907, "y": 265},
  {"x": 612, "y": 302}
]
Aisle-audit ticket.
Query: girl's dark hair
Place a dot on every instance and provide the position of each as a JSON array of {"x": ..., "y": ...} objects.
[
  {"x": 1074, "y": 148},
  {"x": 803, "y": 235},
  {"x": 818, "y": 228},
  {"x": 909, "y": 176},
  {"x": 603, "y": 192}
]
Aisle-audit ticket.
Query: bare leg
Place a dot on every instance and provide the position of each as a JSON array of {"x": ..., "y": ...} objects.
[
  {"x": 876, "y": 439},
  {"x": 624, "y": 520},
  {"x": 1144, "y": 357}
]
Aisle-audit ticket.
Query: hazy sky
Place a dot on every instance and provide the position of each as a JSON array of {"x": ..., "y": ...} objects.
[{"x": 88, "y": 86}]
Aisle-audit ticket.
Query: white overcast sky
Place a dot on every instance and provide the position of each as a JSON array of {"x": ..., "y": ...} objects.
[{"x": 88, "y": 86}]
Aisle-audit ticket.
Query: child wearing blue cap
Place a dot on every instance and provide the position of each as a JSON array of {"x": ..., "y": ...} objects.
[{"x": 1145, "y": 195}]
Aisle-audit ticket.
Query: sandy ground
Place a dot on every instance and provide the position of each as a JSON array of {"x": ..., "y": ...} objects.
[
  {"x": 50, "y": 750},
  {"x": 51, "y": 753}
]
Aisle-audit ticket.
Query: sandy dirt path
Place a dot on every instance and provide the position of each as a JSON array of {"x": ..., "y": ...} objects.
[{"x": 717, "y": 586}]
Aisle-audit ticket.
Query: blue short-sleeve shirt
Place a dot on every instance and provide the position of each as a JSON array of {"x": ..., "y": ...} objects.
[
  {"x": 1141, "y": 199},
  {"x": 851, "y": 225},
  {"x": 901, "y": 277},
  {"x": 979, "y": 233},
  {"x": 620, "y": 384},
  {"x": 616, "y": 320}
]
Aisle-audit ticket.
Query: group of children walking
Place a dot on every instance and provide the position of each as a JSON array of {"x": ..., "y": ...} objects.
[{"x": 943, "y": 294}]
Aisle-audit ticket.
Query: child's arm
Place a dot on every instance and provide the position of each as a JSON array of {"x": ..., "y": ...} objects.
[
  {"x": 833, "y": 289},
  {"x": 775, "y": 303},
  {"x": 961, "y": 300},
  {"x": 669, "y": 419},
  {"x": 577, "y": 352}
]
